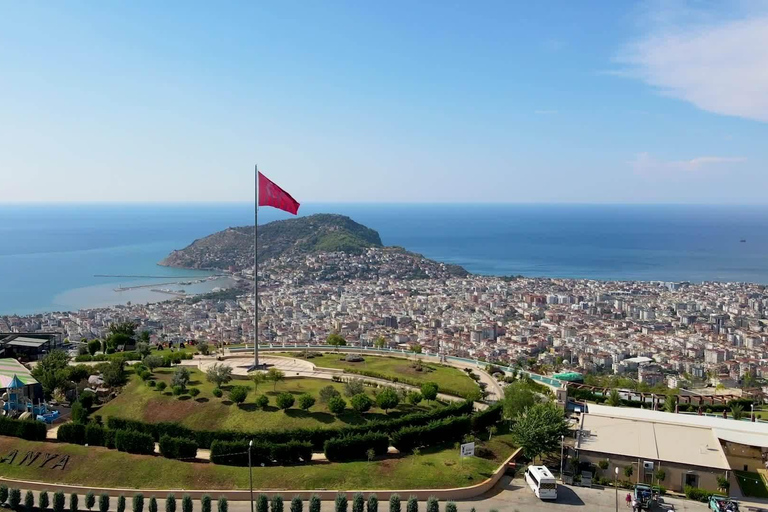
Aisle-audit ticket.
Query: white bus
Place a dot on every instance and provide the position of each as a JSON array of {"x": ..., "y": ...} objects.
[{"x": 542, "y": 482}]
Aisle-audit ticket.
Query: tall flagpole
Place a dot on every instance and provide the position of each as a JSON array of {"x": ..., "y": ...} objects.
[{"x": 256, "y": 270}]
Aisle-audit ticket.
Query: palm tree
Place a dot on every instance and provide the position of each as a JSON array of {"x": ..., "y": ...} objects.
[{"x": 737, "y": 411}]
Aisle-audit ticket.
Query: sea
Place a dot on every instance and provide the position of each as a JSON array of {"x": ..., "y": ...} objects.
[{"x": 64, "y": 257}]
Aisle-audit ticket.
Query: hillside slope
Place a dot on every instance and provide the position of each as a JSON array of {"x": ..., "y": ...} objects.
[{"x": 233, "y": 247}]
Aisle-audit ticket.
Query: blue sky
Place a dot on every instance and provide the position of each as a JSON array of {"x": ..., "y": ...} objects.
[{"x": 598, "y": 102}]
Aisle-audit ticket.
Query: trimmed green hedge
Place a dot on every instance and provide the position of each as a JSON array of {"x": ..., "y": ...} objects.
[
  {"x": 235, "y": 453},
  {"x": 31, "y": 430},
  {"x": 316, "y": 436},
  {"x": 71, "y": 433},
  {"x": 91, "y": 434},
  {"x": 437, "y": 432},
  {"x": 177, "y": 447},
  {"x": 355, "y": 447},
  {"x": 132, "y": 441},
  {"x": 483, "y": 419}
]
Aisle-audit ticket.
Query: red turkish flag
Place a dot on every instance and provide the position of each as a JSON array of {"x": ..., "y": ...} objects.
[{"x": 272, "y": 195}]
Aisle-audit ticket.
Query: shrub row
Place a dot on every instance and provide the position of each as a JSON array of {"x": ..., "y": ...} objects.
[
  {"x": 472, "y": 395},
  {"x": 235, "y": 453},
  {"x": 483, "y": 419},
  {"x": 177, "y": 447},
  {"x": 355, "y": 447},
  {"x": 697, "y": 494},
  {"x": 31, "y": 430},
  {"x": 437, "y": 432},
  {"x": 134, "y": 442},
  {"x": 91, "y": 434},
  {"x": 317, "y": 436}
]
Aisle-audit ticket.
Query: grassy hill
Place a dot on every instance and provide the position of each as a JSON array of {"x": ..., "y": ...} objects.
[{"x": 233, "y": 247}]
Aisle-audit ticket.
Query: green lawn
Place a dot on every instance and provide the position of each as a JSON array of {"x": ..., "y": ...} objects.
[
  {"x": 100, "y": 467},
  {"x": 751, "y": 484},
  {"x": 140, "y": 402},
  {"x": 446, "y": 377}
]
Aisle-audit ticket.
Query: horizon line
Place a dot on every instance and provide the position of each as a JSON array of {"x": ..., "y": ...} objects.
[{"x": 9, "y": 204}]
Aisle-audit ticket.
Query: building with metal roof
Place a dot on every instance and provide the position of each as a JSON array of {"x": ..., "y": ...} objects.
[{"x": 690, "y": 449}]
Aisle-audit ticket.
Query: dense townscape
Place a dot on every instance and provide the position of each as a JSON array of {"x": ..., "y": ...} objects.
[{"x": 656, "y": 332}]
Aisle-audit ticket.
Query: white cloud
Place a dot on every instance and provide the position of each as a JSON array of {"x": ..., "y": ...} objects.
[
  {"x": 719, "y": 66},
  {"x": 545, "y": 112},
  {"x": 644, "y": 163}
]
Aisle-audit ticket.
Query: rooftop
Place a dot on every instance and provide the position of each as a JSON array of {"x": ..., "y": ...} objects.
[{"x": 9, "y": 368}]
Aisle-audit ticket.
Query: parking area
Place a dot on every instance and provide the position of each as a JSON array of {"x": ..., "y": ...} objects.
[{"x": 514, "y": 494}]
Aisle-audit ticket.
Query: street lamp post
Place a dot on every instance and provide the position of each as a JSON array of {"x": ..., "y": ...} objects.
[
  {"x": 250, "y": 471},
  {"x": 562, "y": 448},
  {"x": 616, "y": 485}
]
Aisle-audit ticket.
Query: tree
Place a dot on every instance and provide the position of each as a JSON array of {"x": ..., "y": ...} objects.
[
  {"x": 429, "y": 391},
  {"x": 258, "y": 378},
  {"x": 353, "y": 387},
  {"x": 614, "y": 399},
  {"x": 337, "y": 405},
  {"x": 492, "y": 430},
  {"x": 394, "y": 503},
  {"x": 628, "y": 471},
  {"x": 262, "y": 401},
  {"x": 340, "y": 505},
  {"x": 415, "y": 348},
  {"x": 414, "y": 397},
  {"x": 358, "y": 502},
  {"x": 537, "y": 431},
  {"x": 314, "y": 503},
  {"x": 127, "y": 328},
  {"x": 58, "y": 501},
  {"x": 306, "y": 401},
  {"x": 222, "y": 505},
  {"x": 219, "y": 374},
  {"x": 44, "y": 500},
  {"x": 432, "y": 504},
  {"x": 186, "y": 503},
  {"x": 327, "y": 393},
  {"x": 103, "y": 502},
  {"x": 170, "y": 503},
  {"x": 238, "y": 394},
  {"x": 79, "y": 414},
  {"x": 152, "y": 362},
  {"x": 193, "y": 392},
  {"x": 114, "y": 373},
  {"x": 361, "y": 403},
  {"x": 296, "y": 504},
  {"x": 152, "y": 506},
  {"x": 387, "y": 399},
  {"x": 670, "y": 402},
  {"x": 93, "y": 347},
  {"x": 143, "y": 348},
  {"x": 205, "y": 503},
  {"x": 29, "y": 501},
  {"x": 274, "y": 375},
  {"x": 380, "y": 342},
  {"x": 412, "y": 505},
  {"x": 277, "y": 503},
  {"x": 373, "y": 503},
  {"x": 737, "y": 411},
  {"x": 121, "y": 503},
  {"x": 262, "y": 503},
  {"x": 285, "y": 401},
  {"x": 204, "y": 348},
  {"x": 181, "y": 377},
  {"x": 336, "y": 340},
  {"x": 138, "y": 502},
  {"x": 116, "y": 340},
  {"x": 50, "y": 371},
  {"x": 90, "y": 500},
  {"x": 517, "y": 398},
  {"x": 660, "y": 475}
]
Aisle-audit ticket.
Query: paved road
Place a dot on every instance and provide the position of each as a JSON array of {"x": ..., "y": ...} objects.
[{"x": 507, "y": 496}]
